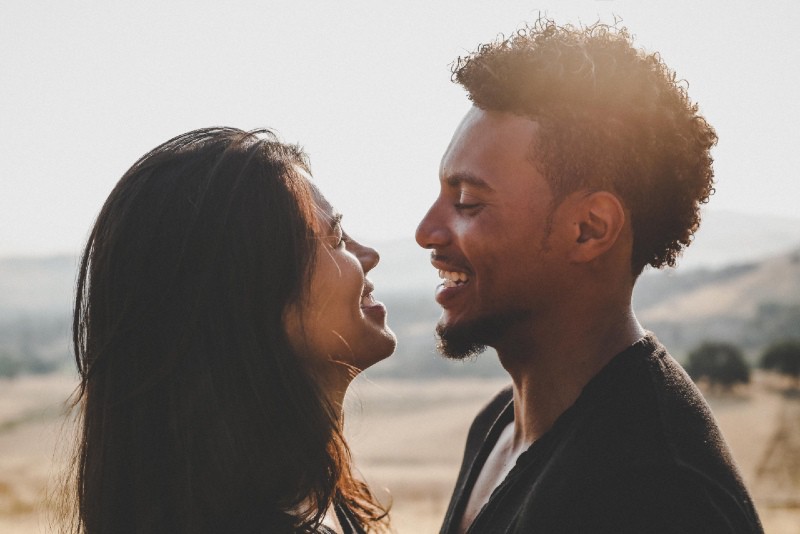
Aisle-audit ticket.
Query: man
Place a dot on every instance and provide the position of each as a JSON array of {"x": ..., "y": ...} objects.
[{"x": 581, "y": 162}]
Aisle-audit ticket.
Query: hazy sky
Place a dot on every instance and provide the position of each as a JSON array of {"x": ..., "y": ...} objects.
[{"x": 364, "y": 86}]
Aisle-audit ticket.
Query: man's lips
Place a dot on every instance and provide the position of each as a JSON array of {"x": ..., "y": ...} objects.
[
  {"x": 455, "y": 280},
  {"x": 451, "y": 273}
]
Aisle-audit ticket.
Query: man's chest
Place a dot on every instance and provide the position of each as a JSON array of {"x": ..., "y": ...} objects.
[{"x": 498, "y": 465}]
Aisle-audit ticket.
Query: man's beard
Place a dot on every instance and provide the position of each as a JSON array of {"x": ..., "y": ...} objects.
[{"x": 465, "y": 341}]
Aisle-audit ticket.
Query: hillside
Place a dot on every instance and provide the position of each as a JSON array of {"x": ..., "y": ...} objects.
[
  {"x": 724, "y": 239},
  {"x": 750, "y": 304},
  {"x": 36, "y": 286},
  {"x": 749, "y": 300},
  {"x": 738, "y": 291}
]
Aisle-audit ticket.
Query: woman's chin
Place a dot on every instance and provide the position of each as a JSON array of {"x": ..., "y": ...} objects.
[
  {"x": 391, "y": 343},
  {"x": 382, "y": 348}
]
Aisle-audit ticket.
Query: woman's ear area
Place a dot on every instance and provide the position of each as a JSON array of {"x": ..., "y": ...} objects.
[
  {"x": 292, "y": 325},
  {"x": 597, "y": 222}
]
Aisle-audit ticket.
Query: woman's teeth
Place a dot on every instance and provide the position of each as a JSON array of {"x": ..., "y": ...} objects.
[
  {"x": 367, "y": 300},
  {"x": 453, "y": 278}
]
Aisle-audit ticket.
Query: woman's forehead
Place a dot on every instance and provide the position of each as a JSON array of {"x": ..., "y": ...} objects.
[{"x": 323, "y": 208}]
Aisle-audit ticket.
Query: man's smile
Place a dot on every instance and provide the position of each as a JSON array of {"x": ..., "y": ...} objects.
[{"x": 453, "y": 278}]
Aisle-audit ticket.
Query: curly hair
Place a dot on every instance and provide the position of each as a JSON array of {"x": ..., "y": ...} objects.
[{"x": 611, "y": 117}]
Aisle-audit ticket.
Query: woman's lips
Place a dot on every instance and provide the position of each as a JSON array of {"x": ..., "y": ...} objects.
[
  {"x": 371, "y": 307},
  {"x": 377, "y": 311}
]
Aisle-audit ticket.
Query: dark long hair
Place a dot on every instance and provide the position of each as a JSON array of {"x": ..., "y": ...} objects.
[{"x": 196, "y": 414}]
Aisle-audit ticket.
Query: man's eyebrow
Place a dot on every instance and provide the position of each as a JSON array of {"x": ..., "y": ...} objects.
[{"x": 465, "y": 178}]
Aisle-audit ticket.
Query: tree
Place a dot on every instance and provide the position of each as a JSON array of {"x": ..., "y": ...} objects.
[
  {"x": 10, "y": 367},
  {"x": 722, "y": 364},
  {"x": 774, "y": 321},
  {"x": 783, "y": 357}
]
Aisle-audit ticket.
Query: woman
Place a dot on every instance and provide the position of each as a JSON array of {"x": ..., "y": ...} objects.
[{"x": 220, "y": 314}]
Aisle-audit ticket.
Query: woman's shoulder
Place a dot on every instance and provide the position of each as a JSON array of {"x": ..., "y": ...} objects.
[{"x": 348, "y": 523}]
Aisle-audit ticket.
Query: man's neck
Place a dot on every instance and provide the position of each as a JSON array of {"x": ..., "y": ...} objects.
[{"x": 551, "y": 364}]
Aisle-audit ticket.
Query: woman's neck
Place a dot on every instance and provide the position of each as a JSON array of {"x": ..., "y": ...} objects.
[
  {"x": 334, "y": 381},
  {"x": 331, "y": 520}
]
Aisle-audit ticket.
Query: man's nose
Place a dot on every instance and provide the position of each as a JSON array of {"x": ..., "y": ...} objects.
[{"x": 432, "y": 231}]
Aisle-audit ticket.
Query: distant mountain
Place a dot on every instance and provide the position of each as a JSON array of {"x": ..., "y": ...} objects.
[
  {"x": 736, "y": 291},
  {"x": 724, "y": 239},
  {"x": 36, "y": 286},
  {"x": 35, "y": 302},
  {"x": 739, "y": 281},
  {"x": 45, "y": 285},
  {"x": 732, "y": 238},
  {"x": 751, "y": 304}
]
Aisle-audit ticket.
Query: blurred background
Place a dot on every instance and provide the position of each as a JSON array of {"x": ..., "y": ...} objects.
[{"x": 88, "y": 87}]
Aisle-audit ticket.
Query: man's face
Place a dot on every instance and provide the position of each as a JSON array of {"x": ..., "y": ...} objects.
[{"x": 489, "y": 233}]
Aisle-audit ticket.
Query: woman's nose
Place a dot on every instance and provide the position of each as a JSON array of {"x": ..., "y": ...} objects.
[{"x": 367, "y": 256}]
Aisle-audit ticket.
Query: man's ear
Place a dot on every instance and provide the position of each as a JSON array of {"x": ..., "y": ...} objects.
[{"x": 598, "y": 220}]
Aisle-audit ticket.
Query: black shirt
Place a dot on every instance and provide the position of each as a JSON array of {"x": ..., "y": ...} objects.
[
  {"x": 348, "y": 523},
  {"x": 638, "y": 452}
]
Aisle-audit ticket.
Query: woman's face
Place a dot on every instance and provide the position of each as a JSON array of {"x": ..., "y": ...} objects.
[{"x": 339, "y": 320}]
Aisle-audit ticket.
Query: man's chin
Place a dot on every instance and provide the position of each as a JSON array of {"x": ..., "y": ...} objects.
[
  {"x": 468, "y": 340},
  {"x": 454, "y": 344}
]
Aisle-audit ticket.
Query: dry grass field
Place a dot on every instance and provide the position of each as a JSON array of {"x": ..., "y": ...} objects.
[
  {"x": 406, "y": 436},
  {"x": 30, "y": 428}
]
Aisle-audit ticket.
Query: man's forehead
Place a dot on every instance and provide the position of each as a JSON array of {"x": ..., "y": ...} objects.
[
  {"x": 490, "y": 124},
  {"x": 487, "y": 142}
]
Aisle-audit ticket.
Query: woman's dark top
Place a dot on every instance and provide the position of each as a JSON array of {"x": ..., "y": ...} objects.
[{"x": 348, "y": 523}]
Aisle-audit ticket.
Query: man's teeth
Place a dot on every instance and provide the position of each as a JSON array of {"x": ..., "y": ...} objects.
[{"x": 453, "y": 278}]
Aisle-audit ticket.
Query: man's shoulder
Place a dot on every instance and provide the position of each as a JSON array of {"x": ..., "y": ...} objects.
[
  {"x": 643, "y": 408},
  {"x": 482, "y": 425},
  {"x": 492, "y": 409},
  {"x": 663, "y": 400},
  {"x": 641, "y": 440},
  {"x": 645, "y": 382},
  {"x": 655, "y": 497},
  {"x": 486, "y": 418}
]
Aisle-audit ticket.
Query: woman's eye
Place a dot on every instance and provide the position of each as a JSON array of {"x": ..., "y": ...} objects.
[{"x": 339, "y": 238}]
